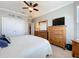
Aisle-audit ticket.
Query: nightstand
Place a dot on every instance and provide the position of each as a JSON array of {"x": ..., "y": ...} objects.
[{"x": 75, "y": 48}]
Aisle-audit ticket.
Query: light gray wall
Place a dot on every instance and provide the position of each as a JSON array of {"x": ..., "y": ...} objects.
[
  {"x": 0, "y": 25},
  {"x": 77, "y": 30},
  {"x": 78, "y": 23},
  {"x": 76, "y": 19},
  {"x": 32, "y": 28},
  {"x": 68, "y": 13}
]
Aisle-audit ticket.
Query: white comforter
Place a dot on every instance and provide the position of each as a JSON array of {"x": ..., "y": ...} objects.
[{"x": 26, "y": 46}]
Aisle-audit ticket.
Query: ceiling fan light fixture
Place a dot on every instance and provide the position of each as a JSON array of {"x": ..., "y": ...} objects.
[{"x": 30, "y": 8}]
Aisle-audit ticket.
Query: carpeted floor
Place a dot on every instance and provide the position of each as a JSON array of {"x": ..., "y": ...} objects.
[{"x": 61, "y": 53}]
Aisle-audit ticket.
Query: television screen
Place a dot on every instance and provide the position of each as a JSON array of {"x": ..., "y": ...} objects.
[{"x": 59, "y": 21}]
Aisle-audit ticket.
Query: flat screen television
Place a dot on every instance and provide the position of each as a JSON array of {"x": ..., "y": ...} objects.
[{"x": 59, "y": 21}]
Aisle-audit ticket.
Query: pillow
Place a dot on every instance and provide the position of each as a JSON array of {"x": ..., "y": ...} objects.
[
  {"x": 3, "y": 37},
  {"x": 3, "y": 43}
]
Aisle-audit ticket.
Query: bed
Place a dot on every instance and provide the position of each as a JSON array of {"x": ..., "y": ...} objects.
[{"x": 27, "y": 46}]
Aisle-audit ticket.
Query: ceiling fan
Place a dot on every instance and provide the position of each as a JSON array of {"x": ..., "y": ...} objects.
[{"x": 31, "y": 6}]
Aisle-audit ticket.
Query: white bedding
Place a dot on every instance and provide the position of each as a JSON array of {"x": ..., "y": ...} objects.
[{"x": 26, "y": 46}]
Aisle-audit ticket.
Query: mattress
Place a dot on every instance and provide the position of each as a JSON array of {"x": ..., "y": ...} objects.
[{"x": 26, "y": 46}]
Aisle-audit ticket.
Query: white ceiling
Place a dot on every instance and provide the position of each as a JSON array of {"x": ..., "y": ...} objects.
[{"x": 44, "y": 6}]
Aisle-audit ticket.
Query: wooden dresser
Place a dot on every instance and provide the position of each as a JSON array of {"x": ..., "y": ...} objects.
[
  {"x": 57, "y": 35},
  {"x": 41, "y": 33},
  {"x": 75, "y": 48}
]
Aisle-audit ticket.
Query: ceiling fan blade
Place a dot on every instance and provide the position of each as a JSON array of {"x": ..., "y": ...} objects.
[
  {"x": 35, "y": 5},
  {"x": 35, "y": 9},
  {"x": 26, "y": 3},
  {"x": 24, "y": 7},
  {"x": 30, "y": 4}
]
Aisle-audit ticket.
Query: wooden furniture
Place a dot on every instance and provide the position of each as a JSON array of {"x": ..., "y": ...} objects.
[
  {"x": 75, "y": 48},
  {"x": 57, "y": 35},
  {"x": 41, "y": 29},
  {"x": 42, "y": 33}
]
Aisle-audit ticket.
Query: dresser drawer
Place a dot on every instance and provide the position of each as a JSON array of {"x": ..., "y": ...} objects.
[
  {"x": 56, "y": 28},
  {"x": 57, "y": 35}
]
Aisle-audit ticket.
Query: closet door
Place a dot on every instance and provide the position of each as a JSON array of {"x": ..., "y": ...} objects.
[{"x": 13, "y": 26}]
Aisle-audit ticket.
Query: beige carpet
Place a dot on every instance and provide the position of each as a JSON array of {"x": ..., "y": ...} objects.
[{"x": 61, "y": 53}]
